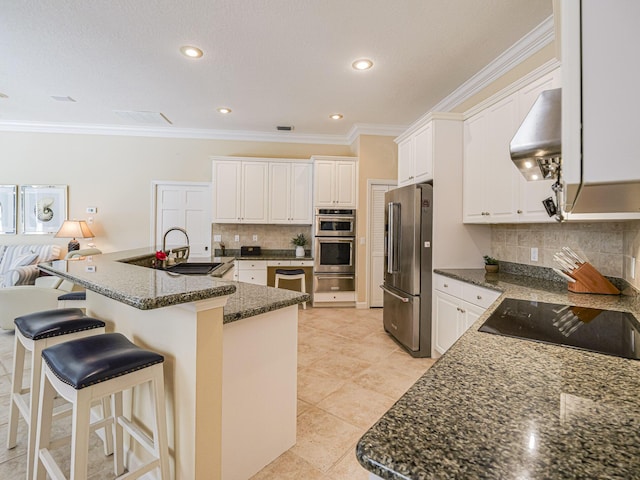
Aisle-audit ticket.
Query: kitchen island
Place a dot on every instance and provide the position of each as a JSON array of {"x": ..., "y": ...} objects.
[
  {"x": 230, "y": 357},
  {"x": 506, "y": 408}
]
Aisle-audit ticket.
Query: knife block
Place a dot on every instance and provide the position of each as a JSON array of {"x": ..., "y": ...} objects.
[{"x": 590, "y": 280}]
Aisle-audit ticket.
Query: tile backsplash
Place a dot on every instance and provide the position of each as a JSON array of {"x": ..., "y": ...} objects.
[
  {"x": 609, "y": 246},
  {"x": 271, "y": 237}
]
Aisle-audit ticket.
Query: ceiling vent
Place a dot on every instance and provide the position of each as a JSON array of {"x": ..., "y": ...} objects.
[
  {"x": 285, "y": 128},
  {"x": 145, "y": 118}
]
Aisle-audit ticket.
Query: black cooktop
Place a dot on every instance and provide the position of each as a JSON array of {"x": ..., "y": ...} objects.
[{"x": 601, "y": 331}]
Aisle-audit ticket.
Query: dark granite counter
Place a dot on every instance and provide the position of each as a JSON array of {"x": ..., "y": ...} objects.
[
  {"x": 505, "y": 408},
  {"x": 119, "y": 276}
]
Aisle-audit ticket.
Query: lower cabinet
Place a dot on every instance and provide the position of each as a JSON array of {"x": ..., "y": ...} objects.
[
  {"x": 457, "y": 305},
  {"x": 252, "y": 271}
]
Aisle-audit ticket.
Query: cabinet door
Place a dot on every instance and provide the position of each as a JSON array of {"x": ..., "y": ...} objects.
[
  {"x": 423, "y": 154},
  {"x": 254, "y": 192},
  {"x": 500, "y": 175},
  {"x": 258, "y": 277},
  {"x": 226, "y": 186},
  {"x": 405, "y": 162},
  {"x": 300, "y": 211},
  {"x": 324, "y": 180},
  {"x": 475, "y": 137},
  {"x": 446, "y": 327},
  {"x": 532, "y": 193},
  {"x": 345, "y": 184},
  {"x": 279, "y": 192},
  {"x": 470, "y": 313}
]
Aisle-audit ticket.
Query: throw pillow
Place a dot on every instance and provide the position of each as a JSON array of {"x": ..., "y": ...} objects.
[{"x": 24, "y": 260}]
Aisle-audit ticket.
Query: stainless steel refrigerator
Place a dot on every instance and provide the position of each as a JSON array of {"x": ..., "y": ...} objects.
[{"x": 407, "y": 278}]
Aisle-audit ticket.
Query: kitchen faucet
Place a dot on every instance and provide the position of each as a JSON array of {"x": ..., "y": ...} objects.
[{"x": 186, "y": 249}]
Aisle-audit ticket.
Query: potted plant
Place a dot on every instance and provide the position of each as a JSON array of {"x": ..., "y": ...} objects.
[
  {"x": 490, "y": 264},
  {"x": 299, "y": 241}
]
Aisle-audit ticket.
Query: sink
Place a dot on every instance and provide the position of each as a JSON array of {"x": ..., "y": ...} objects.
[{"x": 195, "y": 268}]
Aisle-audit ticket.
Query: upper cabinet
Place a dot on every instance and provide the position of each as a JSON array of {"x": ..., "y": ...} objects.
[
  {"x": 290, "y": 193},
  {"x": 415, "y": 156},
  {"x": 335, "y": 181},
  {"x": 494, "y": 191},
  {"x": 248, "y": 190}
]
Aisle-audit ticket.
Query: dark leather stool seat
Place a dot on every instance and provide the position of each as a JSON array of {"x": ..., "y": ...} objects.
[
  {"x": 53, "y": 323},
  {"x": 87, "y": 361},
  {"x": 282, "y": 271},
  {"x": 73, "y": 296}
]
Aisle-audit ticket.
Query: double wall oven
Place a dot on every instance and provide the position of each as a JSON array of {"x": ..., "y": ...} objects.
[{"x": 334, "y": 252}]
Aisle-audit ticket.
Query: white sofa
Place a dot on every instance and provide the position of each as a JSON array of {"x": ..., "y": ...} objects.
[
  {"x": 18, "y": 262},
  {"x": 21, "y": 291}
]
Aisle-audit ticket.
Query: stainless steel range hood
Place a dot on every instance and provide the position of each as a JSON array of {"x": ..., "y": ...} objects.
[{"x": 536, "y": 146}]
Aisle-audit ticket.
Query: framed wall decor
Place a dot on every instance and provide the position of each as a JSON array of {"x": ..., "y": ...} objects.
[
  {"x": 8, "y": 209},
  {"x": 44, "y": 208}
]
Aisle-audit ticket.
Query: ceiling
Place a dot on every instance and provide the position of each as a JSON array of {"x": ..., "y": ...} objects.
[{"x": 273, "y": 62}]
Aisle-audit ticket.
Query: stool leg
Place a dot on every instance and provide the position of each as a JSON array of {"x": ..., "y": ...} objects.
[
  {"x": 45, "y": 419},
  {"x": 277, "y": 281},
  {"x": 118, "y": 453},
  {"x": 80, "y": 435},
  {"x": 36, "y": 370},
  {"x": 160, "y": 430},
  {"x": 108, "y": 432},
  {"x": 303, "y": 289},
  {"x": 16, "y": 389}
]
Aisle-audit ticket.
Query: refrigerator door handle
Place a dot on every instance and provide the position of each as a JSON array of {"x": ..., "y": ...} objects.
[
  {"x": 402, "y": 299},
  {"x": 392, "y": 237}
]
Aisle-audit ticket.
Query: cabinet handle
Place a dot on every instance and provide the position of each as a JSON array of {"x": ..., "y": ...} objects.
[
  {"x": 446, "y": 285},
  {"x": 479, "y": 297},
  {"x": 519, "y": 211},
  {"x": 461, "y": 310}
]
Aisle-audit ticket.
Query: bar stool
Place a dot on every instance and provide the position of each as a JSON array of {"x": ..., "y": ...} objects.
[
  {"x": 92, "y": 368},
  {"x": 35, "y": 332},
  {"x": 77, "y": 299},
  {"x": 295, "y": 274}
]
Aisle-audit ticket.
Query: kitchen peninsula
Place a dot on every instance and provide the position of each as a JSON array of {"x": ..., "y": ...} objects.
[
  {"x": 230, "y": 358},
  {"x": 501, "y": 407}
]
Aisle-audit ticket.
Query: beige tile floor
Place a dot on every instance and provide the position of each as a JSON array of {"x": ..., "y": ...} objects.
[{"x": 349, "y": 373}]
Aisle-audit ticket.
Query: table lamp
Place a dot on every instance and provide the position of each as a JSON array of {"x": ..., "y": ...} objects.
[{"x": 72, "y": 229}]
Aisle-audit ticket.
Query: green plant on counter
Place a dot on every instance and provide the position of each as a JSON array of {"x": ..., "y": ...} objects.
[
  {"x": 490, "y": 260},
  {"x": 299, "y": 240}
]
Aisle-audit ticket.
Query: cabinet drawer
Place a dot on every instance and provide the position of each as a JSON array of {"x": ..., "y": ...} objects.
[
  {"x": 448, "y": 285},
  {"x": 302, "y": 263},
  {"x": 259, "y": 277},
  {"x": 252, "y": 265},
  {"x": 482, "y": 297},
  {"x": 334, "y": 297},
  {"x": 278, "y": 263}
]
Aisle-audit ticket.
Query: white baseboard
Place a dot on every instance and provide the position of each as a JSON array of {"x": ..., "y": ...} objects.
[{"x": 362, "y": 304}]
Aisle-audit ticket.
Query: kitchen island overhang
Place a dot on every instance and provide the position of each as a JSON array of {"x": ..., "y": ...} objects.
[{"x": 191, "y": 320}]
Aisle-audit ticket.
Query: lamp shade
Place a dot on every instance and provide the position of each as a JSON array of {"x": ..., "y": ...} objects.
[{"x": 72, "y": 229}]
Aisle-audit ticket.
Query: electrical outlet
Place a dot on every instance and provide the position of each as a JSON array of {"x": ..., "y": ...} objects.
[
  {"x": 217, "y": 238},
  {"x": 534, "y": 254},
  {"x": 255, "y": 238},
  {"x": 236, "y": 238},
  {"x": 90, "y": 220}
]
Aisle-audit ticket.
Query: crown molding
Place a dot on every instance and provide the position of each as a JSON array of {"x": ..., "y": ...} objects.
[
  {"x": 531, "y": 43},
  {"x": 426, "y": 118},
  {"x": 169, "y": 132},
  {"x": 373, "y": 129}
]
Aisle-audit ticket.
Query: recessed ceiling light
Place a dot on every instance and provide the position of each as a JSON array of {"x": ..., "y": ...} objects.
[
  {"x": 362, "y": 64},
  {"x": 224, "y": 110},
  {"x": 192, "y": 52},
  {"x": 335, "y": 116}
]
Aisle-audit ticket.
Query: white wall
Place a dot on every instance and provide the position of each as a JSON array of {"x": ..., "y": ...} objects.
[{"x": 114, "y": 173}]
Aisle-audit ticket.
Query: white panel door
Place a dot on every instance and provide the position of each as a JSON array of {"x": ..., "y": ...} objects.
[
  {"x": 423, "y": 151},
  {"x": 186, "y": 206},
  {"x": 324, "y": 183},
  {"x": 475, "y": 139},
  {"x": 405, "y": 162},
  {"x": 345, "y": 184},
  {"x": 301, "y": 211},
  {"x": 446, "y": 328},
  {"x": 376, "y": 243}
]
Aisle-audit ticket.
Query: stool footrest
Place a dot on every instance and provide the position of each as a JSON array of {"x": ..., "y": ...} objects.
[
  {"x": 141, "y": 437},
  {"x": 52, "y": 467},
  {"x": 140, "y": 471}
]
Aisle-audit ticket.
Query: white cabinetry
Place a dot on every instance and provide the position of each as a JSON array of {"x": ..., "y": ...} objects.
[
  {"x": 252, "y": 271},
  {"x": 457, "y": 305},
  {"x": 290, "y": 193},
  {"x": 240, "y": 191},
  {"x": 494, "y": 191},
  {"x": 335, "y": 181},
  {"x": 415, "y": 156}
]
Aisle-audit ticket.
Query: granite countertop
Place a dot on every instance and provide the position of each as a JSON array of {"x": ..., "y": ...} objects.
[
  {"x": 148, "y": 288},
  {"x": 501, "y": 407}
]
